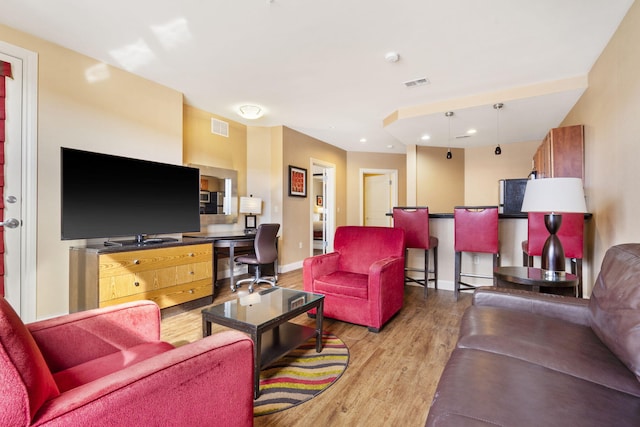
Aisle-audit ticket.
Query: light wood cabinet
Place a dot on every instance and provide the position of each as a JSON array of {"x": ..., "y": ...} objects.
[
  {"x": 168, "y": 274},
  {"x": 561, "y": 153}
]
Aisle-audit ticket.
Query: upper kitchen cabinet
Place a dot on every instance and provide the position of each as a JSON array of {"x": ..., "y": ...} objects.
[{"x": 561, "y": 153}]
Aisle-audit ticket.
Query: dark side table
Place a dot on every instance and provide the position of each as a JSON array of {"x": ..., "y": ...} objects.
[{"x": 533, "y": 279}]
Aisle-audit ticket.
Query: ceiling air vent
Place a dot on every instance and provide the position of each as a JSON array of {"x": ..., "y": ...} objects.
[
  {"x": 417, "y": 82},
  {"x": 218, "y": 127}
]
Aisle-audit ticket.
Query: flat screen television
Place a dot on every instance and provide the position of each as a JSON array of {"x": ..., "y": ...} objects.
[{"x": 105, "y": 196}]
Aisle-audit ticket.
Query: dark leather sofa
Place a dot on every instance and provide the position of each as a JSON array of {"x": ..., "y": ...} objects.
[{"x": 525, "y": 359}]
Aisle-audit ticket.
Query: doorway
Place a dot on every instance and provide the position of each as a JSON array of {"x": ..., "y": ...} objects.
[
  {"x": 379, "y": 193},
  {"x": 323, "y": 195},
  {"x": 20, "y": 176}
]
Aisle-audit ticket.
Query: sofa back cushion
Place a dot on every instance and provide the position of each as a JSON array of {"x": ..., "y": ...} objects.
[
  {"x": 359, "y": 247},
  {"x": 23, "y": 367},
  {"x": 615, "y": 304}
]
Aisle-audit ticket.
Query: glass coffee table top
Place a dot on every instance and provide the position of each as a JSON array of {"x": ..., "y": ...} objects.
[{"x": 261, "y": 307}]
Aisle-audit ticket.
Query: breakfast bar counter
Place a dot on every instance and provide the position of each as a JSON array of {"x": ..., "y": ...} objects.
[{"x": 512, "y": 231}]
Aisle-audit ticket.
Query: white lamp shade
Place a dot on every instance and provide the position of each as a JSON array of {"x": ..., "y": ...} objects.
[
  {"x": 554, "y": 195},
  {"x": 251, "y": 205}
]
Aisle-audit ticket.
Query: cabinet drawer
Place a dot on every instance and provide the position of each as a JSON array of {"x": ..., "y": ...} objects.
[
  {"x": 168, "y": 297},
  {"x": 134, "y": 261}
]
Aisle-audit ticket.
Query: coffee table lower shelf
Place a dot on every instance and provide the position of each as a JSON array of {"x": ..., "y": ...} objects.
[{"x": 279, "y": 341}]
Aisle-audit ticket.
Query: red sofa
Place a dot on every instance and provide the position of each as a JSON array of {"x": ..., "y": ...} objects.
[
  {"x": 363, "y": 279},
  {"x": 108, "y": 367}
]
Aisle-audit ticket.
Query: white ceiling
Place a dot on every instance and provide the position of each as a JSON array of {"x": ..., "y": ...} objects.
[{"x": 319, "y": 66}]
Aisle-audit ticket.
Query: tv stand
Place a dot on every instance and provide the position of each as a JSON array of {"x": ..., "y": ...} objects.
[
  {"x": 170, "y": 273},
  {"x": 140, "y": 240}
]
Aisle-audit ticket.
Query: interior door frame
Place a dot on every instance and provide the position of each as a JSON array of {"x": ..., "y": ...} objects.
[
  {"x": 29, "y": 143},
  {"x": 394, "y": 187},
  {"x": 329, "y": 203}
]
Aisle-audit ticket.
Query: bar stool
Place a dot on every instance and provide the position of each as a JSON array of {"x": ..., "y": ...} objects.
[
  {"x": 571, "y": 236},
  {"x": 415, "y": 223},
  {"x": 476, "y": 231}
]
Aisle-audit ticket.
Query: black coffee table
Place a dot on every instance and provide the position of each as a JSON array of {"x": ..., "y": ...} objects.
[
  {"x": 264, "y": 315},
  {"x": 533, "y": 278}
]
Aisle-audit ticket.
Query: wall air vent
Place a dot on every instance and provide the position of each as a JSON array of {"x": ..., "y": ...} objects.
[
  {"x": 417, "y": 82},
  {"x": 218, "y": 127}
]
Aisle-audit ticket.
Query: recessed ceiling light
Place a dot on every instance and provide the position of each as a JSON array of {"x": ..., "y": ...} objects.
[
  {"x": 425, "y": 137},
  {"x": 472, "y": 131},
  {"x": 363, "y": 140},
  {"x": 390, "y": 146},
  {"x": 250, "y": 112}
]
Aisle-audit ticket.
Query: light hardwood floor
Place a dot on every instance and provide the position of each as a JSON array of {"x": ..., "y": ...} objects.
[{"x": 391, "y": 375}]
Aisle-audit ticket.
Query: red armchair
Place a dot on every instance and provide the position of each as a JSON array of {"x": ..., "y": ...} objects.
[
  {"x": 363, "y": 279},
  {"x": 108, "y": 367}
]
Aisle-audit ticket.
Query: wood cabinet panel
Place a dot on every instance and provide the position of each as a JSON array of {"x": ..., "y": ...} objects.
[
  {"x": 168, "y": 275},
  {"x": 561, "y": 153}
]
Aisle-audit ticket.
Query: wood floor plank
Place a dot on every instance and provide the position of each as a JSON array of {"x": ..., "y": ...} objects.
[{"x": 392, "y": 375}]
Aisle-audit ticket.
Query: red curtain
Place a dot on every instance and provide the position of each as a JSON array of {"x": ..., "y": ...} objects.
[{"x": 5, "y": 71}]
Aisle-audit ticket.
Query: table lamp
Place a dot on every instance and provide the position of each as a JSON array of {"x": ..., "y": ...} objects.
[
  {"x": 250, "y": 206},
  {"x": 554, "y": 196}
]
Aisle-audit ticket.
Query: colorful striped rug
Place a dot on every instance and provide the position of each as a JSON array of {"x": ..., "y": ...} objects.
[{"x": 301, "y": 375}]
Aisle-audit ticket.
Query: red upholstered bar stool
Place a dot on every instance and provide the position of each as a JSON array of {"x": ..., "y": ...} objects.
[
  {"x": 571, "y": 234},
  {"x": 415, "y": 223},
  {"x": 476, "y": 231}
]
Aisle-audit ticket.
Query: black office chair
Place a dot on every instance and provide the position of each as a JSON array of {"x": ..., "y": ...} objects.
[{"x": 265, "y": 252}]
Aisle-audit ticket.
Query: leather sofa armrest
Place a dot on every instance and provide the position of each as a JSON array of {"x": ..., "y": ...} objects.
[
  {"x": 574, "y": 310},
  {"x": 69, "y": 340},
  {"x": 209, "y": 379}
]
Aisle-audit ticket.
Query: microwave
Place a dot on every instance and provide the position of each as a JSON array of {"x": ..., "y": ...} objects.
[{"x": 205, "y": 197}]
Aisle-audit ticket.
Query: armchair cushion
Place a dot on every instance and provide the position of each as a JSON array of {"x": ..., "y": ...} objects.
[
  {"x": 26, "y": 380},
  {"x": 98, "y": 368},
  {"x": 615, "y": 304},
  {"x": 349, "y": 284}
]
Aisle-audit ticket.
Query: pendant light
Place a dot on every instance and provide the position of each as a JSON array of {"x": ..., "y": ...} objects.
[
  {"x": 498, "y": 107},
  {"x": 449, "y": 114}
]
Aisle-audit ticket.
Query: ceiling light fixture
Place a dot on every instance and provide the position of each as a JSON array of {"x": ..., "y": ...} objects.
[
  {"x": 449, "y": 114},
  {"x": 250, "y": 112},
  {"x": 498, "y": 108},
  {"x": 425, "y": 137}
]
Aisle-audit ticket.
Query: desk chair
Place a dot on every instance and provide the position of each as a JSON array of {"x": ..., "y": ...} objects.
[
  {"x": 475, "y": 230},
  {"x": 415, "y": 223},
  {"x": 571, "y": 236},
  {"x": 265, "y": 252}
]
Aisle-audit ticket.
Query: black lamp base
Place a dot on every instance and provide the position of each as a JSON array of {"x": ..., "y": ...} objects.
[{"x": 553, "y": 262}]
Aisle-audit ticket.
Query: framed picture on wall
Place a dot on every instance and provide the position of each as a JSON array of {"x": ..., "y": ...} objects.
[{"x": 297, "y": 182}]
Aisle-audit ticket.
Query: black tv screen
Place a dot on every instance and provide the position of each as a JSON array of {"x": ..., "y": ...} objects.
[{"x": 106, "y": 196}]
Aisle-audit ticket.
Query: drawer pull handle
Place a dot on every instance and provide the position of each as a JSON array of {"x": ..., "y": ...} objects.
[
  {"x": 136, "y": 261},
  {"x": 191, "y": 291},
  {"x": 191, "y": 254},
  {"x": 136, "y": 283},
  {"x": 192, "y": 272}
]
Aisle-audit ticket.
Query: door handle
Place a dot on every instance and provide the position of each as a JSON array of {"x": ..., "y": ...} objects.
[{"x": 10, "y": 223}]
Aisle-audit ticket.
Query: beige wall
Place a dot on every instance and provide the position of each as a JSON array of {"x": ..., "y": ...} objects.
[
  {"x": 122, "y": 114},
  {"x": 202, "y": 147},
  {"x": 298, "y": 150},
  {"x": 609, "y": 110},
  {"x": 440, "y": 181},
  {"x": 483, "y": 170},
  {"x": 356, "y": 161}
]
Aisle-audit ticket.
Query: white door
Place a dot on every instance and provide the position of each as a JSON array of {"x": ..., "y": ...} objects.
[
  {"x": 377, "y": 199},
  {"x": 12, "y": 195},
  {"x": 20, "y": 170}
]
